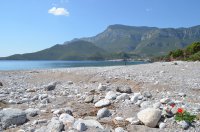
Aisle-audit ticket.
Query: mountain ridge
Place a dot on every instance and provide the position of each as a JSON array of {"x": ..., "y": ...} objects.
[{"x": 141, "y": 41}]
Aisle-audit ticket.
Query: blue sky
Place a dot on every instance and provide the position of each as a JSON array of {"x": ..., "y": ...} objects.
[{"x": 32, "y": 25}]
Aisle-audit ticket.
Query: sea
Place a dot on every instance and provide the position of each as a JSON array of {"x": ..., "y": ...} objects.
[{"x": 7, "y": 65}]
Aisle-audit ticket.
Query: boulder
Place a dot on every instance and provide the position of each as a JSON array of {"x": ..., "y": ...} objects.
[
  {"x": 149, "y": 116},
  {"x": 31, "y": 112},
  {"x": 10, "y": 117},
  {"x": 104, "y": 112},
  {"x": 111, "y": 95},
  {"x": 55, "y": 125},
  {"x": 124, "y": 89},
  {"x": 102, "y": 103}
]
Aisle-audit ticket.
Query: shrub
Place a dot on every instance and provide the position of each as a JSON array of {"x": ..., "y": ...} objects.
[
  {"x": 177, "y": 53},
  {"x": 193, "y": 48},
  {"x": 195, "y": 57}
]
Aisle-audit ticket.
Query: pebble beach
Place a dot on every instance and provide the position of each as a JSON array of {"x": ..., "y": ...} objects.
[{"x": 142, "y": 98}]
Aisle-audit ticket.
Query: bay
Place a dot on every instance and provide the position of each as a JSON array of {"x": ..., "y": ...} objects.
[{"x": 31, "y": 65}]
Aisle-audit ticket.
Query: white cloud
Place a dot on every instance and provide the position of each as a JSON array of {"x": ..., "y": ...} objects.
[{"x": 58, "y": 11}]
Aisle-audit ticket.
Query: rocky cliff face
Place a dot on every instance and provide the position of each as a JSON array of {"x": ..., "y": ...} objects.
[{"x": 144, "y": 40}]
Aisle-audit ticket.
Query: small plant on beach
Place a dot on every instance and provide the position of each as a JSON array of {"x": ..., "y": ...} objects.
[{"x": 183, "y": 115}]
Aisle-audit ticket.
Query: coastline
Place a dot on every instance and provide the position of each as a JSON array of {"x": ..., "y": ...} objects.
[{"x": 161, "y": 79}]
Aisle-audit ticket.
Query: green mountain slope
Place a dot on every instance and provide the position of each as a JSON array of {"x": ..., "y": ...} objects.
[
  {"x": 145, "y": 41},
  {"x": 77, "y": 50},
  {"x": 118, "y": 39}
]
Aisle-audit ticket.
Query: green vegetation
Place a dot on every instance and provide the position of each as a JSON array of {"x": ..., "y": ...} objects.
[{"x": 190, "y": 53}]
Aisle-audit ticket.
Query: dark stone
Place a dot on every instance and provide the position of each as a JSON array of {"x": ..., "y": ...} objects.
[
  {"x": 1, "y": 84},
  {"x": 124, "y": 89}
]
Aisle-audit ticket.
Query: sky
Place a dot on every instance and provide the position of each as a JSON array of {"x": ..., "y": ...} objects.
[{"x": 32, "y": 25}]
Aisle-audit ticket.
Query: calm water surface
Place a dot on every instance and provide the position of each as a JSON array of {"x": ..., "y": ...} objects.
[{"x": 29, "y": 65}]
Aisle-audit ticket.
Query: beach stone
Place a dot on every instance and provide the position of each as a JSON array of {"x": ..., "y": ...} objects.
[
  {"x": 67, "y": 119},
  {"x": 134, "y": 98},
  {"x": 149, "y": 116},
  {"x": 31, "y": 112},
  {"x": 81, "y": 127},
  {"x": 182, "y": 94},
  {"x": 119, "y": 120},
  {"x": 42, "y": 96},
  {"x": 162, "y": 125},
  {"x": 70, "y": 83},
  {"x": 133, "y": 121},
  {"x": 184, "y": 124},
  {"x": 145, "y": 104},
  {"x": 139, "y": 102},
  {"x": 165, "y": 100},
  {"x": 45, "y": 101},
  {"x": 102, "y": 103},
  {"x": 111, "y": 95},
  {"x": 124, "y": 89},
  {"x": 55, "y": 125},
  {"x": 120, "y": 129},
  {"x": 147, "y": 94},
  {"x": 10, "y": 117},
  {"x": 50, "y": 86},
  {"x": 157, "y": 105},
  {"x": 68, "y": 110},
  {"x": 102, "y": 87},
  {"x": 90, "y": 123},
  {"x": 89, "y": 99},
  {"x": 123, "y": 96},
  {"x": 104, "y": 112},
  {"x": 34, "y": 98},
  {"x": 1, "y": 84}
]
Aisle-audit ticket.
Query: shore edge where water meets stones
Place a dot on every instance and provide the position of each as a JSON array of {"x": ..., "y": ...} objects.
[{"x": 101, "y": 99}]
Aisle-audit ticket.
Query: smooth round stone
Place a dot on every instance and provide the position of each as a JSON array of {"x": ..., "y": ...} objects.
[
  {"x": 162, "y": 125},
  {"x": 102, "y": 103}
]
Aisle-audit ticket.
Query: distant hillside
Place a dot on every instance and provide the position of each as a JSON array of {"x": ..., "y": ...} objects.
[
  {"x": 145, "y": 41},
  {"x": 118, "y": 41},
  {"x": 77, "y": 50}
]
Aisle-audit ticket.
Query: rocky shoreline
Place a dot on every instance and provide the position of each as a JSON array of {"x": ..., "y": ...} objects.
[{"x": 140, "y": 98}]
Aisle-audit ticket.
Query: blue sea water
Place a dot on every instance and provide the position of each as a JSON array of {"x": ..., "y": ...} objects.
[{"x": 31, "y": 65}]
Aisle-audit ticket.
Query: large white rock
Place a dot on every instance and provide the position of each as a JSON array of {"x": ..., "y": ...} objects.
[
  {"x": 55, "y": 125},
  {"x": 149, "y": 116},
  {"x": 102, "y": 103},
  {"x": 66, "y": 119},
  {"x": 111, "y": 95},
  {"x": 12, "y": 117}
]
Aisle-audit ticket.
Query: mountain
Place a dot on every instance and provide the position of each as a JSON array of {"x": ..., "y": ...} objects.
[
  {"x": 145, "y": 41},
  {"x": 76, "y": 50},
  {"x": 118, "y": 41}
]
